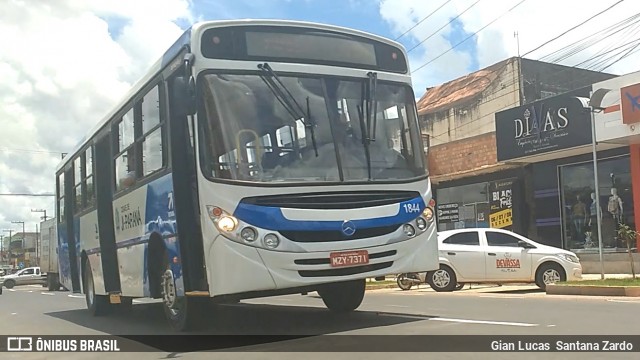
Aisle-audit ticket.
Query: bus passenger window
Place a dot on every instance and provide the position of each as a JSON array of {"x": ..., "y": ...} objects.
[{"x": 126, "y": 170}]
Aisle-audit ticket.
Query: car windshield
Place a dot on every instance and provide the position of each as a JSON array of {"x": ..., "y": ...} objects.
[{"x": 250, "y": 134}]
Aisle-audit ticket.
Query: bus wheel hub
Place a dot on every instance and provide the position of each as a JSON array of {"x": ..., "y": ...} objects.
[{"x": 168, "y": 289}]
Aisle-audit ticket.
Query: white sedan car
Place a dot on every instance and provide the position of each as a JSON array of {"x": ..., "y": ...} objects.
[{"x": 498, "y": 256}]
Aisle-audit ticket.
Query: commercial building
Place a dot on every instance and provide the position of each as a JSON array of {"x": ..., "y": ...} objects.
[{"x": 507, "y": 144}]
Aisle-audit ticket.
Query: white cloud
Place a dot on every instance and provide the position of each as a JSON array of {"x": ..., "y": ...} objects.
[
  {"x": 61, "y": 70},
  {"x": 535, "y": 21}
]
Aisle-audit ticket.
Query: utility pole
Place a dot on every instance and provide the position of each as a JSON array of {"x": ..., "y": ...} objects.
[
  {"x": 42, "y": 211},
  {"x": 24, "y": 234},
  {"x": 1, "y": 248}
]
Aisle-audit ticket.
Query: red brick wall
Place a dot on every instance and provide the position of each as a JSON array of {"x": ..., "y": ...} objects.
[{"x": 466, "y": 154}]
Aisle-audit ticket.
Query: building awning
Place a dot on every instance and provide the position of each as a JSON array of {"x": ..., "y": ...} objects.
[{"x": 482, "y": 170}]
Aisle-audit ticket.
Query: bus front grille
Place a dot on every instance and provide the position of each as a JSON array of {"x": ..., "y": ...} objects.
[
  {"x": 335, "y": 235},
  {"x": 333, "y": 200},
  {"x": 345, "y": 271}
]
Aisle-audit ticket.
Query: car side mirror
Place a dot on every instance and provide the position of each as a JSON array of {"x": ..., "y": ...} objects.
[{"x": 524, "y": 244}]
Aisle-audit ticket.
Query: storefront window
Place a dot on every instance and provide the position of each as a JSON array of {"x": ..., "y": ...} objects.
[
  {"x": 465, "y": 206},
  {"x": 579, "y": 220}
]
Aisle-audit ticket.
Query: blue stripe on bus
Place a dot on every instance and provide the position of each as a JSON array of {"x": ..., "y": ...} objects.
[{"x": 271, "y": 218}]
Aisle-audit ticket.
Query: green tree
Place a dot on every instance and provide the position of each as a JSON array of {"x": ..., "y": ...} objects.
[{"x": 626, "y": 233}]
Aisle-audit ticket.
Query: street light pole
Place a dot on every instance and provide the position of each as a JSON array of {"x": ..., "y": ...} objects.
[
  {"x": 1, "y": 248},
  {"x": 595, "y": 103}
]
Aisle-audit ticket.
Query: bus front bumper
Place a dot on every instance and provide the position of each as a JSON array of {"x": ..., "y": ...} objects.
[{"x": 235, "y": 268}]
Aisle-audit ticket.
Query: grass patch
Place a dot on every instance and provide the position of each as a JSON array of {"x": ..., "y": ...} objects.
[{"x": 605, "y": 282}]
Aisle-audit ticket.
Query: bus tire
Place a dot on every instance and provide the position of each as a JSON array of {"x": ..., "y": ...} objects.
[
  {"x": 98, "y": 305},
  {"x": 343, "y": 296},
  {"x": 52, "y": 282},
  {"x": 182, "y": 313}
]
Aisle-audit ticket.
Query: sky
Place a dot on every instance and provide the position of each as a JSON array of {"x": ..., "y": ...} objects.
[{"x": 64, "y": 63}]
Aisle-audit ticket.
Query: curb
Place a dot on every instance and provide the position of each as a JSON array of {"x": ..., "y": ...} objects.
[
  {"x": 378, "y": 287},
  {"x": 593, "y": 290}
]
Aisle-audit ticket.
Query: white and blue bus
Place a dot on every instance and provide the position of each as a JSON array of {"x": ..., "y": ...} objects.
[{"x": 255, "y": 158}]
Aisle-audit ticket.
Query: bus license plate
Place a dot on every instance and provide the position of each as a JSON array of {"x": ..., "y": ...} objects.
[{"x": 349, "y": 258}]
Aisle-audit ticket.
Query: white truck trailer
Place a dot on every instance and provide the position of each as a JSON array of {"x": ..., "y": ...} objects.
[{"x": 49, "y": 253}]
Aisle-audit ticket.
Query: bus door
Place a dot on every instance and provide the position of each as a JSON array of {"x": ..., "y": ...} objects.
[
  {"x": 104, "y": 196},
  {"x": 72, "y": 240}
]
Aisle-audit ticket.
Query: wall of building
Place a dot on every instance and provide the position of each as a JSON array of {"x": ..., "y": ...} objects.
[
  {"x": 541, "y": 80},
  {"x": 462, "y": 155},
  {"x": 475, "y": 116}
]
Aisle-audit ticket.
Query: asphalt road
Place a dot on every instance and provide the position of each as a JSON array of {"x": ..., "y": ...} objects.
[{"x": 485, "y": 311}]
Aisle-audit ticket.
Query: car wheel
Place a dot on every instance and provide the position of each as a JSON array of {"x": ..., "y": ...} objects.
[
  {"x": 443, "y": 279},
  {"x": 9, "y": 284},
  {"x": 549, "y": 273}
]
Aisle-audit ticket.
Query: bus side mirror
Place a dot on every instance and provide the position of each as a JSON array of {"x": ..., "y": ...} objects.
[{"x": 183, "y": 96}]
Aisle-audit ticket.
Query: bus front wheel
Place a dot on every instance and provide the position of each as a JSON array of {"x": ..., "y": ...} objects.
[
  {"x": 98, "y": 305},
  {"x": 183, "y": 313},
  {"x": 343, "y": 296}
]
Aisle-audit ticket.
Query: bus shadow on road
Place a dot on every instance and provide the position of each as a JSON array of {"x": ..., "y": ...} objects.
[{"x": 239, "y": 319}]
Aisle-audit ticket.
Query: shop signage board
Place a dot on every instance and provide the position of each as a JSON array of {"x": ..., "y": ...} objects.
[
  {"x": 501, "y": 204},
  {"x": 448, "y": 213},
  {"x": 551, "y": 124}
]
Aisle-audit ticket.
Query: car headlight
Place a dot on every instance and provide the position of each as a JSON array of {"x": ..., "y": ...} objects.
[{"x": 569, "y": 258}]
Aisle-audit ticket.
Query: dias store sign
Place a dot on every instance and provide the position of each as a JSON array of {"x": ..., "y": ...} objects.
[{"x": 547, "y": 125}]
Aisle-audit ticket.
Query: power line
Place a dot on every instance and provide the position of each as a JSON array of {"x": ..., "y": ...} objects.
[
  {"x": 445, "y": 25},
  {"x": 612, "y": 27},
  {"x": 582, "y": 23},
  {"x": 470, "y": 36},
  {"x": 423, "y": 19},
  {"x": 33, "y": 151},
  {"x": 25, "y": 194}
]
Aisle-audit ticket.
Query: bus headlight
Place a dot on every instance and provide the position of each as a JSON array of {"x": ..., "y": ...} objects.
[
  {"x": 271, "y": 241},
  {"x": 248, "y": 234},
  {"x": 222, "y": 220},
  {"x": 421, "y": 223},
  {"x": 428, "y": 214},
  {"x": 409, "y": 230},
  {"x": 227, "y": 223}
]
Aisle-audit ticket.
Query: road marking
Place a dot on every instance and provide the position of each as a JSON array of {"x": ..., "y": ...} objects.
[
  {"x": 76, "y": 296},
  {"x": 11, "y": 289},
  {"x": 486, "y": 322},
  {"x": 624, "y": 301},
  {"x": 14, "y": 313},
  {"x": 30, "y": 291},
  {"x": 47, "y": 293},
  {"x": 503, "y": 296},
  {"x": 400, "y": 306},
  {"x": 465, "y": 321},
  {"x": 551, "y": 326}
]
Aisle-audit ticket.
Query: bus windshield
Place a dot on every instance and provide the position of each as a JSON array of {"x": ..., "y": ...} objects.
[{"x": 249, "y": 135}]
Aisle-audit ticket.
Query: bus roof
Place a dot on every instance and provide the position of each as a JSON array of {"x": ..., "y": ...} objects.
[{"x": 185, "y": 39}]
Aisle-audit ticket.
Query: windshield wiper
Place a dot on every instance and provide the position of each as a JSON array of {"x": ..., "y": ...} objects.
[
  {"x": 368, "y": 125},
  {"x": 288, "y": 101}
]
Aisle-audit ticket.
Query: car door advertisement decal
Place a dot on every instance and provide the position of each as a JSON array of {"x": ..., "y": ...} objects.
[
  {"x": 507, "y": 263},
  {"x": 501, "y": 215}
]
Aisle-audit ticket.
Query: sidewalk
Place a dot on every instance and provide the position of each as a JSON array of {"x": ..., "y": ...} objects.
[{"x": 607, "y": 276}]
